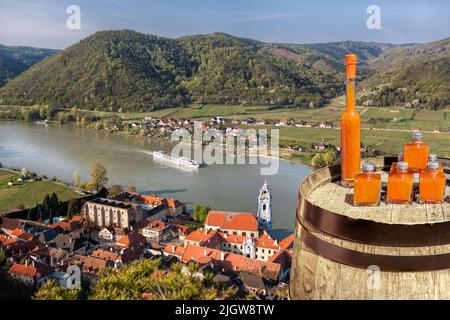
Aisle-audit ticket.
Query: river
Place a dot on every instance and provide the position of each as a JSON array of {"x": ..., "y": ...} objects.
[{"x": 59, "y": 150}]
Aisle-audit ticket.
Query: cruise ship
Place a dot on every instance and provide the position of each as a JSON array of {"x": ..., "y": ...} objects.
[{"x": 178, "y": 161}]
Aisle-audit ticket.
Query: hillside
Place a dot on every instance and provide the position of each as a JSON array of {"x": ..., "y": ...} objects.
[
  {"x": 127, "y": 70},
  {"x": 410, "y": 76},
  {"x": 14, "y": 60}
]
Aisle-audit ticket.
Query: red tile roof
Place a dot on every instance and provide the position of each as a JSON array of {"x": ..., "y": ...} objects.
[
  {"x": 131, "y": 239},
  {"x": 67, "y": 226},
  {"x": 105, "y": 255},
  {"x": 156, "y": 201},
  {"x": 230, "y": 261},
  {"x": 174, "y": 250},
  {"x": 209, "y": 238},
  {"x": 288, "y": 242},
  {"x": 21, "y": 234},
  {"x": 232, "y": 220},
  {"x": 32, "y": 270},
  {"x": 91, "y": 265}
]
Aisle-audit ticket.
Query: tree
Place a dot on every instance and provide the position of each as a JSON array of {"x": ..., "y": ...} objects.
[
  {"x": 147, "y": 280},
  {"x": 76, "y": 179},
  {"x": 73, "y": 207},
  {"x": 99, "y": 177},
  {"x": 200, "y": 212},
  {"x": 131, "y": 189},
  {"x": 51, "y": 290},
  {"x": 114, "y": 190}
]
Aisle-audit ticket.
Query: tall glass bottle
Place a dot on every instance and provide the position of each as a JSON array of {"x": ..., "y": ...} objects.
[{"x": 350, "y": 127}]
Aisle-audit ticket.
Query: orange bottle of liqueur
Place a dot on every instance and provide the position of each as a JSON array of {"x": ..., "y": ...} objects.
[
  {"x": 350, "y": 128},
  {"x": 416, "y": 152},
  {"x": 400, "y": 158},
  {"x": 367, "y": 186},
  {"x": 432, "y": 184},
  {"x": 434, "y": 157},
  {"x": 400, "y": 185}
]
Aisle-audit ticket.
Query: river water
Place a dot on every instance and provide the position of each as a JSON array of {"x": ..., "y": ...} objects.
[{"x": 59, "y": 150}]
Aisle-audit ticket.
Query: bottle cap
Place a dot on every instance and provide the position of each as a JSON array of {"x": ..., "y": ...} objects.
[
  {"x": 432, "y": 157},
  {"x": 400, "y": 156},
  {"x": 417, "y": 135},
  {"x": 433, "y": 165},
  {"x": 368, "y": 167},
  {"x": 402, "y": 166},
  {"x": 350, "y": 65}
]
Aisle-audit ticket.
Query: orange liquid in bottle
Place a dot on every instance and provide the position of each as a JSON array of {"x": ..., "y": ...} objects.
[
  {"x": 416, "y": 152},
  {"x": 432, "y": 184},
  {"x": 367, "y": 187},
  {"x": 350, "y": 128},
  {"x": 400, "y": 185},
  {"x": 400, "y": 158}
]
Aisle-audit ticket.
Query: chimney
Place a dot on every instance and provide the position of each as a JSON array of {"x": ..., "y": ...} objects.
[
  {"x": 204, "y": 252},
  {"x": 173, "y": 249},
  {"x": 222, "y": 255}
]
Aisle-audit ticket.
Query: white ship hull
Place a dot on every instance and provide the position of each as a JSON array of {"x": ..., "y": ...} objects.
[{"x": 181, "y": 162}]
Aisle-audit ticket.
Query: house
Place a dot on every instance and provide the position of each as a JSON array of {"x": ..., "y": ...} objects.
[
  {"x": 50, "y": 256},
  {"x": 90, "y": 267},
  {"x": 73, "y": 245},
  {"x": 253, "y": 283},
  {"x": 106, "y": 234},
  {"x": 131, "y": 240},
  {"x": 32, "y": 273},
  {"x": 172, "y": 250},
  {"x": 173, "y": 207},
  {"x": 72, "y": 228},
  {"x": 49, "y": 234},
  {"x": 237, "y": 223},
  {"x": 156, "y": 230},
  {"x": 224, "y": 261},
  {"x": 112, "y": 233},
  {"x": 105, "y": 213},
  {"x": 7, "y": 225}
]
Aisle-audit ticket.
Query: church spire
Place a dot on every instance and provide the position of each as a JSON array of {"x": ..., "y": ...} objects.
[{"x": 265, "y": 206}]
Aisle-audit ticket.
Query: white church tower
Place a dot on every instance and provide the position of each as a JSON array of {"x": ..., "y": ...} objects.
[{"x": 265, "y": 206}]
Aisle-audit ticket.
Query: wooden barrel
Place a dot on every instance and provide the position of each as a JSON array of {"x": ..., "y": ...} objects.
[{"x": 385, "y": 252}]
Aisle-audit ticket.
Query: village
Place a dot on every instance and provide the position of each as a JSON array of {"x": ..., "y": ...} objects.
[
  {"x": 236, "y": 247},
  {"x": 164, "y": 127}
]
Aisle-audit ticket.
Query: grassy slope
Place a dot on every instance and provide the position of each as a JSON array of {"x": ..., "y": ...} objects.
[{"x": 30, "y": 193}]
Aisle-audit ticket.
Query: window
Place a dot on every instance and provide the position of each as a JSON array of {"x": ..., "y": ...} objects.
[
  {"x": 235, "y": 233},
  {"x": 244, "y": 234}
]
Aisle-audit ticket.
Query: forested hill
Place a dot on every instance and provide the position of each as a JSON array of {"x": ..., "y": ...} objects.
[
  {"x": 138, "y": 72},
  {"x": 14, "y": 60}
]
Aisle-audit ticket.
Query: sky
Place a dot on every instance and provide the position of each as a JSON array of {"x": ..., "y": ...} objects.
[{"x": 42, "y": 23}]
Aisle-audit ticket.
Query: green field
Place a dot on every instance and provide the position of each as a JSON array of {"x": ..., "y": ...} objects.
[{"x": 28, "y": 194}]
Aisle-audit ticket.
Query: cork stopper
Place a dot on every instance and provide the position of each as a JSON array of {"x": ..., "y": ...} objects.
[{"x": 350, "y": 65}]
